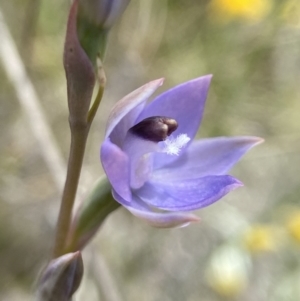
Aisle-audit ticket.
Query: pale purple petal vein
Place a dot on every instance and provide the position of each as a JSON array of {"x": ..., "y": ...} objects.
[
  {"x": 187, "y": 195},
  {"x": 156, "y": 219}
]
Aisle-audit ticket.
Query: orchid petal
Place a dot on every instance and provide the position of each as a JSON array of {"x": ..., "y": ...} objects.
[
  {"x": 211, "y": 156},
  {"x": 184, "y": 103},
  {"x": 156, "y": 219},
  {"x": 187, "y": 195},
  {"x": 116, "y": 166},
  {"x": 141, "y": 163},
  {"x": 126, "y": 110}
]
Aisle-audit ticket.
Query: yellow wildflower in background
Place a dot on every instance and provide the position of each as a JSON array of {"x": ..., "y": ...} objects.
[
  {"x": 250, "y": 10},
  {"x": 260, "y": 238},
  {"x": 293, "y": 226},
  {"x": 227, "y": 272}
]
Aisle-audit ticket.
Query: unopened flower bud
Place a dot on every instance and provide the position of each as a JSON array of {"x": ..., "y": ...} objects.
[
  {"x": 155, "y": 129},
  {"x": 79, "y": 72},
  {"x": 103, "y": 13},
  {"x": 95, "y": 18},
  {"x": 61, "y": 278}
]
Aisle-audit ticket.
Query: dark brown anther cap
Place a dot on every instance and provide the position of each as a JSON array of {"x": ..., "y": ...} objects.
[{"x": 155, "y": 129}]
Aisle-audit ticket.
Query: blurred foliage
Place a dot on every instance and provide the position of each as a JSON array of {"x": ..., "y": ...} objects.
[{"x": 253, "y": 232}]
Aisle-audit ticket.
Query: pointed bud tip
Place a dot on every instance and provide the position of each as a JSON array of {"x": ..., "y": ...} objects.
[
  {"x": 156, "y": 128},
  {"x": 61, "y": 278}
]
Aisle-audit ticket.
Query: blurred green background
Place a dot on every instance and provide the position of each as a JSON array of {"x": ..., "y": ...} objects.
[{"x": 247, "y": 247}]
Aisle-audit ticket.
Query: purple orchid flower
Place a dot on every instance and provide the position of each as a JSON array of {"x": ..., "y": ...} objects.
[{"x": 155, "y": 168}]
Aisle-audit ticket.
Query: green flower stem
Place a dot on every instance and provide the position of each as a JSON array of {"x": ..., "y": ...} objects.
[
  {"x": 79, "y": 134},
  {"x": 96, "y": 103},
  {"x": 78, "y": 142}
]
